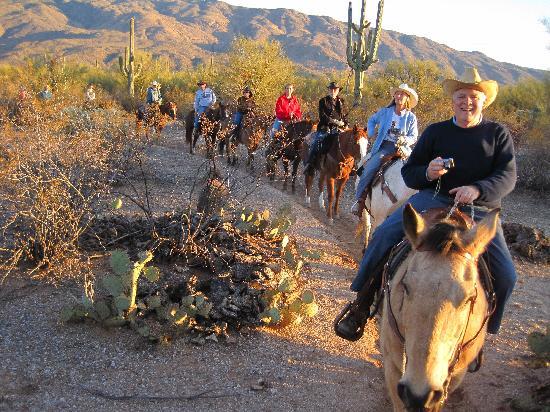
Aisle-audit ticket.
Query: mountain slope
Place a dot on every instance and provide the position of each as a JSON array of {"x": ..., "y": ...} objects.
[{"x": 190, "y": 31}]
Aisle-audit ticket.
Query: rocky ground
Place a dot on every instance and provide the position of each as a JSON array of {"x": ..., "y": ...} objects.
[{"x": 47, "y": 365}]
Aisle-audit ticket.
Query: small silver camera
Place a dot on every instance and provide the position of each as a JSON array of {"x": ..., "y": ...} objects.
[{"x": 448, "y": 163}]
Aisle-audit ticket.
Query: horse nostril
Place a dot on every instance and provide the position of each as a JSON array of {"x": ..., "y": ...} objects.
[
  {"x": 403, "y": 392},
  {"x": 437, "y": 396}
]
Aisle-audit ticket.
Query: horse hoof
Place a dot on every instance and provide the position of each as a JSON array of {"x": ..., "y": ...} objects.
[
  {"x": 331, "y": 221},
  {"x": 308, "y": 201}
]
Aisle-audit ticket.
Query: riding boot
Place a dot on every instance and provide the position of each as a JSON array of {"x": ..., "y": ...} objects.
[
  {"x": 351, "y": 322},
  {"x": 309, "y": 168}
]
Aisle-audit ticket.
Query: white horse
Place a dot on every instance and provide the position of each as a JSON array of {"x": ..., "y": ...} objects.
[{"x": 388, "y": 194}]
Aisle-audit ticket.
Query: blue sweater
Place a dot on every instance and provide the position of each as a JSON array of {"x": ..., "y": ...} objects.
[{"x": 483, "y": 155}]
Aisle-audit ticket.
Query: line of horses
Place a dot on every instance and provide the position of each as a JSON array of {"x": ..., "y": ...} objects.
[{"x": 423, "y": 364}]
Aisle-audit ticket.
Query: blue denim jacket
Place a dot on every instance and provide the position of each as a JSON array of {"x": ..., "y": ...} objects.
[{"x": 383, "y": 118}]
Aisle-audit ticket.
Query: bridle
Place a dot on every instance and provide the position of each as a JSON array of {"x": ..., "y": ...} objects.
[{"x": 461, "y": 344}]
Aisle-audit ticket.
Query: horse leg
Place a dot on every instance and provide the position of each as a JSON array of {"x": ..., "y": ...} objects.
[
  {"x": 308, "y": 183},
  {"x": 295, "y": 165},
  {"x": 330, "y": 193},
  {"x": 321, "y": 186},
  {"x": 339, "y": 188},
  {"x": 285, "y": 167}
]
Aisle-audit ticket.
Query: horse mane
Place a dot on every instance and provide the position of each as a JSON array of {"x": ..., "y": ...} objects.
[{"x": 444, "y": 237}]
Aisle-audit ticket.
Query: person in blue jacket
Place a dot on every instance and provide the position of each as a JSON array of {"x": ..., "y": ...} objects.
[
  {"x": 204, "y": 98},
  {"x": 483, "y": 171},
  {"x": 396, "y": 124}
]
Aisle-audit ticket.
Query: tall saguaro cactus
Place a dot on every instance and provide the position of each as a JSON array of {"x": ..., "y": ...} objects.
[
  {"x": 361, "y": 53},
  {"x": 127, "y": 64}
]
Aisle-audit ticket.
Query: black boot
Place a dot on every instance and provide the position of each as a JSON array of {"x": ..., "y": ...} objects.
[{"x": 351, "y": 322}]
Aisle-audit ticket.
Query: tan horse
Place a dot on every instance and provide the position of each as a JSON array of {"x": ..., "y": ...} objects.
[
  {"x": 336, "y": 168},
  {"x": 435, "y": 311}
]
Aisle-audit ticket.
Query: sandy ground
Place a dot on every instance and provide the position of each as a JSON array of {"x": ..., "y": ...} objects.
[{"x": 49, "y": 366}]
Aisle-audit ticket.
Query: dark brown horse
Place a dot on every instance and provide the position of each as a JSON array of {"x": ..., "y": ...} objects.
[
  {"x": 336, "y": 167},
  {"x": 287, "y": 145},
  {"x": 212, "y": 122},
  {"x": 254, "y": 126},
  {"x": 155, "y": 116}
]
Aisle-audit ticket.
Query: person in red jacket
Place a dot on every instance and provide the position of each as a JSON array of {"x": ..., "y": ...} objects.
[{"x": 287, "y": 109}]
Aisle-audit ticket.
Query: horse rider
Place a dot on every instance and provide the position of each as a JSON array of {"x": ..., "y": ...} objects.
[
  {"x": 245, "y": 105},
  {"x": 397, "y": 130},
  {"x": 482, "y": 172},
  {"x": 89, "y": 94},
  {"x": 331, "y": 117},
  {"x": 46, "y": 93},
  {"x": 287, "y": 108},
  {"x": 22, "y": 95},
  {"x": 204, "y": 98},
  {"x": 154, "y": 97}
]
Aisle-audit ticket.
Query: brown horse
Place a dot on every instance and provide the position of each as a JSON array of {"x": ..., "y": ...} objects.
[
  {"x": 435, "y": 310},
  {"x": 212, "y": 122},
  {"x": 336, "y": 167},
  {"x": 253, "y": 128},
  {"x": 155, "y": 116},
  {"x": 287, "y": 145}
]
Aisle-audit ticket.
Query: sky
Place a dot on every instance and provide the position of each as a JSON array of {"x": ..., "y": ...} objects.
[{"x": 505, "y": 30}]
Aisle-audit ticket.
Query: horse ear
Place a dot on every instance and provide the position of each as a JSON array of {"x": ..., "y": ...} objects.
[
  {"x": 414, "y": 225},
  {"x": 478, "y": 237}
]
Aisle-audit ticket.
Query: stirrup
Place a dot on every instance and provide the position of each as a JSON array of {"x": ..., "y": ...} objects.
[{"x": 358, "y": 333}]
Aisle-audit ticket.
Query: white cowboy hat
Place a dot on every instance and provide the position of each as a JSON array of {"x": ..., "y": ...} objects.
[
  {"x": 472, "y": 80},
  {"x": 404, "y": 87},
  {"x": 154, "y": 83}
]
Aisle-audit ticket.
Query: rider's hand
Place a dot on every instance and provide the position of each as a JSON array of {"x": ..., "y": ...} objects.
[
  {"x": 436, "y": 169},
  {"x": 358, "y": 207},
  {"x": 465, "y": 194}
]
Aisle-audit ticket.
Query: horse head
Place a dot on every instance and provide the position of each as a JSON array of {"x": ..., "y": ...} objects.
[
  {"x": 170, "y": 109},
  {"x": 439, "y": 307}
]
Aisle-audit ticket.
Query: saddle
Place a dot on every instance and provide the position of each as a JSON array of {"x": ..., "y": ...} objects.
[{"x": 387, "y": 162}]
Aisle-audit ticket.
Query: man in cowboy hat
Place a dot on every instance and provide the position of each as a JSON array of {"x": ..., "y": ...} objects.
[
  {"x": 204, "y": 98},
  {"x": 331, "y": 117},
  {"x": 153, "y": 93},
  {"x": 397, "y": 130},
  {"x": 484, "y": 172}
]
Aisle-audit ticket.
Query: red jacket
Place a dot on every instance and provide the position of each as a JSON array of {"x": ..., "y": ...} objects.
[{"x": 285, "y": 107}]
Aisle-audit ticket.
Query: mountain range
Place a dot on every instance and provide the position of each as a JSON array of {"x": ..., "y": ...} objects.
[{"x": 191, "y": 31}]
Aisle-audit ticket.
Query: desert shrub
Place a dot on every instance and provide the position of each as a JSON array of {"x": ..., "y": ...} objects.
[{"x": 54, "y": 168}]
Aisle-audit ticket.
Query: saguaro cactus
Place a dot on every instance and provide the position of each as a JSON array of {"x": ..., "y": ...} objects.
[
  {"x": 127, "y": 64},
  {"x": 361, "y": 54}
]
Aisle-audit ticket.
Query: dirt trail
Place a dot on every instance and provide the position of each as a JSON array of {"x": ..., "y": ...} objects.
[{"x": 45, "y": 365}]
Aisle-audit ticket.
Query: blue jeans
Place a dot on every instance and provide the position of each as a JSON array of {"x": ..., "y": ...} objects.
[
  {"x": 315, "y": 145},
  {"x": 390, "y": 232},
  {"x": 200, "y": 110},
  {"x": 237, "y": 118},
  {"x": 371, "y": 167},
  {"x": 275, "y": 128}
]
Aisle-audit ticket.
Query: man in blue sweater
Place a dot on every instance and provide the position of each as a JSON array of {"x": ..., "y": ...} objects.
[{"x": 484, "y": 172}]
